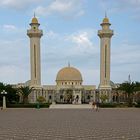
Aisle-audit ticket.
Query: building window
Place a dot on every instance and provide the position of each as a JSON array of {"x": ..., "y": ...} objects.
[
  {"x": 50, "y": 97},
  {"x": 105, "y": 59},
  {"x": 35, "y": 60}
]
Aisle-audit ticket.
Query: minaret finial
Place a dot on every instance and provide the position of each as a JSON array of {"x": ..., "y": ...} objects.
[
  {"x": 129, "y": 78},
  {"x": 34, "y": 14},
  {"x": 105, "y": 14},
  {"x": 68, "y": 64}
]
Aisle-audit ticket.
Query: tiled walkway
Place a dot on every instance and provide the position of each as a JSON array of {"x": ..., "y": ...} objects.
[{"x": 70, "y": 124}]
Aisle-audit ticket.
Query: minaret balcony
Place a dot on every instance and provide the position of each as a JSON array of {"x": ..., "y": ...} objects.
[
  {"x": 105, "y": 33},
  {"x": 34, "y": 33}
]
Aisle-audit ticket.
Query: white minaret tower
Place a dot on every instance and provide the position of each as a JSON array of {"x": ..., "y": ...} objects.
[
  {"x": 105, "y": 35},
  {"x": 35, "y": 34}
]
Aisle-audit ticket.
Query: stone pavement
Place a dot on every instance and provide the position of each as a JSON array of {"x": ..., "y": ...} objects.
[{"x": 69, "y": 124}]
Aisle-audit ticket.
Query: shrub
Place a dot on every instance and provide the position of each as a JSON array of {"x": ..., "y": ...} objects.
[
  {"x": 138, "y": 104},
  {"x": 107, "y": 105},
  {"x": 31, "y": 105},
  {"x": 41, "y": 99}
]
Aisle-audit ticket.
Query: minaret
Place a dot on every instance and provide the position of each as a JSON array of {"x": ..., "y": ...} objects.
[
  {"x": 35, "y": 34},
  {"x": 105, "y": 39}
]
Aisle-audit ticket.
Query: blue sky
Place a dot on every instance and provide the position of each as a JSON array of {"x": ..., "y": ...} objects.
[{"x": 70, "y": 35}]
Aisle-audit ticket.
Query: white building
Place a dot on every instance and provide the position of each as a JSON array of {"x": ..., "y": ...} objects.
[{"x": 69, "y": 86}]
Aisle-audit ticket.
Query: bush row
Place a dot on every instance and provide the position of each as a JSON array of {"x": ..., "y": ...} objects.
[
  {"x": 46, "y": 105},
  {"x": 119, "y": 105}
]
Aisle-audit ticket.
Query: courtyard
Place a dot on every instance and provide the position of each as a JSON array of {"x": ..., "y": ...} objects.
[{"x": 69, "y": 124}]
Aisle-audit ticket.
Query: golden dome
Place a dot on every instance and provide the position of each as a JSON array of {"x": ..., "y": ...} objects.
[
  {"x": 105, "y": 20},
  {"x": 69, "y": 74},
  {"x": 35, "y": 20}
]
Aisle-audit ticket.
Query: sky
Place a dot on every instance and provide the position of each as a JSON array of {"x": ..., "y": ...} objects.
[{"x": 70, "y": 35}]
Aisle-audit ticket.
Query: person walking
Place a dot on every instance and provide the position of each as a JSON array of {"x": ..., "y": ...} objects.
[
  {"x": 97, "y": 106},
  {"x": 93, "y": 105}
]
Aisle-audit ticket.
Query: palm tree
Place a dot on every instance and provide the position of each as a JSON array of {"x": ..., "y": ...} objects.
[
  {"x": 128, "y": 89},
  {"x": 137, "y": 86},
  {"x": 25, "y": 91},
  {"x": 137, "y": 91}
]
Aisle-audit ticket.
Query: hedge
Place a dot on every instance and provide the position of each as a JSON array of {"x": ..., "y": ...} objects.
[
  {"x": 107, "y": 105},
  {"x": 46, "y": 105}
]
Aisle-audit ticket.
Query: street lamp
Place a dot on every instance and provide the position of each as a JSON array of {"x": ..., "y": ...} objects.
[{"x": 4, "y": 98}]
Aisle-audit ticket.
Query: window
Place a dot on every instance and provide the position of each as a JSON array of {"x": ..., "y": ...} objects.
[
  {"x": 105, "y": 59},
  {"x": 35, "y": 60},
  {"x": 50, "y": 97}
]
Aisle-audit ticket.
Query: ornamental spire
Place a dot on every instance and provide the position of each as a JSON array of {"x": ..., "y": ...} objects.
[
  {"x": 34, "y": 15},
  {"x": 105, "y": 14},
  {"x": 68, "y": 64}
]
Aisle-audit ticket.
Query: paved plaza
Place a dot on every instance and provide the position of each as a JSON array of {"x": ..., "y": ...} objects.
[{"x": 69, "y": 124}]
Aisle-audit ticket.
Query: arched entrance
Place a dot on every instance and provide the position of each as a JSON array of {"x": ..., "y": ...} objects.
[{"x": 68, "y": 97}]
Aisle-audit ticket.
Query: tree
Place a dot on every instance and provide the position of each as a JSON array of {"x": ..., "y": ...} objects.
[
  {"x": 12, "y": 95},
  {"x": 103, "y": 98},
  {"x": 41, "y": 99},
  {"x": 137, "y": 91},
  {"x": 137, "y": 86},
  {"x": 128, "y": 89},
  {"x": 25, "y": 91}
]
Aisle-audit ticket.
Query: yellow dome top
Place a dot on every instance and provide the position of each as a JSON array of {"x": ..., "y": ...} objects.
[
  {"x": 35, "y": 20},
  {"x": 69, "y": 74},
  {"x": 105, "y": 20}
]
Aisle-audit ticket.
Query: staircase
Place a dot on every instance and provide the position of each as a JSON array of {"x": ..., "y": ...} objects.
[{"x": 70, "y": 106}]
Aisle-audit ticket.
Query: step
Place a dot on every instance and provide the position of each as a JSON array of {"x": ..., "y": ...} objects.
[{"x": 70, "y": 106}]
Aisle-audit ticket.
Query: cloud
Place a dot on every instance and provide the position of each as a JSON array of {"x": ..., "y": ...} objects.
[
  {"x": 65, "y": 8},
  {"x": 83, "y": 40},
  {"x": 126, "y": 54},
  {"x": 11, "y": 74},
  {"x": 52, "y": 34},
  {"x": 131, "y": 4},
  {"x": 69, "y": 46},
  {"x": 18, "y": 4},
  {"x": 120, "y": 5},
  {"x": 124, "y": 61},
  {"x": 9, "y": 27},
  {"x": 14, "y": 60},
  {"x": 131, "y": 7}
]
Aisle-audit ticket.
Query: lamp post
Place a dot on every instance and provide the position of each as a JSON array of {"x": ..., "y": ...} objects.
[{"x": 4, "y": 98}]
